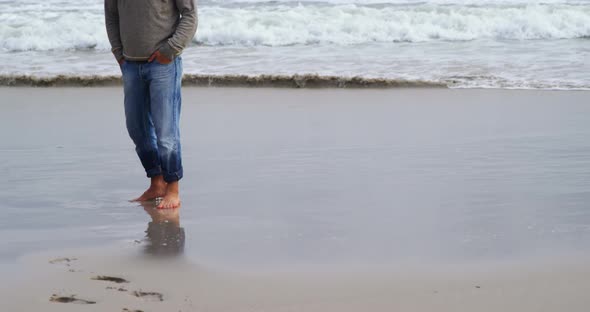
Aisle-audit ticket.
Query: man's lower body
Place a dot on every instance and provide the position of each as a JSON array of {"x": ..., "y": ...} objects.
[{"x": 152, "y": 114}]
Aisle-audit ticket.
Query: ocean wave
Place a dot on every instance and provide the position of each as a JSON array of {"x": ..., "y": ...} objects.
[
  {"x": 309, "y": 24},
  {"x": 477, "y": 3},
  {"x": 402, "y": 2},
  {"x": 53, "y": 30},
  {"x": 353, "y": 24}
]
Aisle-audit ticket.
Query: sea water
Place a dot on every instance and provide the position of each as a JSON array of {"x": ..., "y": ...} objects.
[{"x": 460, "y": 43}]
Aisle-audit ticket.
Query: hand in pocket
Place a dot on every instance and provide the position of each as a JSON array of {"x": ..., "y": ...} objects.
[{"x": 160, "y": 58}]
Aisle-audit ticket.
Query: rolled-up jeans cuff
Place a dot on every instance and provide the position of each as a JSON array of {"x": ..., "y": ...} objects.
[
  {"x": 154, "y": 172},
  {"x": 173, "y": 176}
]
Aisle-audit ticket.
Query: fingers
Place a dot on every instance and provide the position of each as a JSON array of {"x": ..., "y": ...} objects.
[
  {"x": 154, "y": 55},
  {"x": 160, "y": 58},
  {"x": 163, "y": 60}
]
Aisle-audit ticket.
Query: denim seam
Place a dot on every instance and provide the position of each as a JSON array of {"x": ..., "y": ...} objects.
[
  {"x": 176, "y": 95},
  {"x": 175, "y": 176}
]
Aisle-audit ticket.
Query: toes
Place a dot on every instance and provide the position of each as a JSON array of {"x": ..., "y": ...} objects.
[{"x": 168, "y": 204}]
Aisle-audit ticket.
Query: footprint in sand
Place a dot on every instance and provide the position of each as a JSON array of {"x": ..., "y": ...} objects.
[
  {"x": 70, "y": 299},
  {"x": 117, "y": 280},
  {"x": 122, "y": 289},
  {"x": 65, "y": 261},
  {"x": 62, "y": 260},
  {"x": 151, "y": 296}
]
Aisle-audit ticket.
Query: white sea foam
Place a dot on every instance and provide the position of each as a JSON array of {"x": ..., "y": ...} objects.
[
  {"x": 40, "y": 28},
  {"x": 353, "y": 24},
  {"x": 74, "y": 30},
  {"x": 403, "y": 2}
]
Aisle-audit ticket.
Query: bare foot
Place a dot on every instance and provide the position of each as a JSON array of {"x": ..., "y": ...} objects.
[
  {"x": 157, "y": 189},
  {"x": 172, "y": 198}
]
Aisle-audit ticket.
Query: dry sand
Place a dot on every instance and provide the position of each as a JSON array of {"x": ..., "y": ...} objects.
[{"x": 168, "y": 284}]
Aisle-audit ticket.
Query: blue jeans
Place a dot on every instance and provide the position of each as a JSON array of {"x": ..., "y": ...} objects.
[{"x": 152, "y": 113}]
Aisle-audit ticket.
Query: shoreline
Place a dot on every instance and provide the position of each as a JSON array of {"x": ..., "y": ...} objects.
[
  {"x": 310, "y": 81},
  {"x": 294, "y": 81}
]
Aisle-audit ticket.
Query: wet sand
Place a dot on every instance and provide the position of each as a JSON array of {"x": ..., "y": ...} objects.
[{"x": 301, "y": 200}]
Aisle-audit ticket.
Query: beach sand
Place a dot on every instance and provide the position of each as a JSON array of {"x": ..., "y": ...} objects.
[
  {"x": 174, "y": 284},
  {"x": 301, "y": 200}
]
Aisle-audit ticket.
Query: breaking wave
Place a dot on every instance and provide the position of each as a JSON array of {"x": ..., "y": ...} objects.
[
  {"x": 353, "y": 24},
  {"x": 284, "y": 24}
]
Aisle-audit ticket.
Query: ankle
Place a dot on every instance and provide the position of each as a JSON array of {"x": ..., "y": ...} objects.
[
  {"x": 157, "y": 181},
  {"x": 172, "y": 188}
]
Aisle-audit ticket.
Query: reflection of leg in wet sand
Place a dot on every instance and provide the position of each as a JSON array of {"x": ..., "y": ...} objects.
[{"x": 164, "y": 234}]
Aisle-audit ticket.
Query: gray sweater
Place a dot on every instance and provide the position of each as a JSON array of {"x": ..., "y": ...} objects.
[{"x": 138, "y": 28}]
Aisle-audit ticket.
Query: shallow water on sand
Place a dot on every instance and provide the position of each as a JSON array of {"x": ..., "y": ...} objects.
[{"x": 287, "y": 178}]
